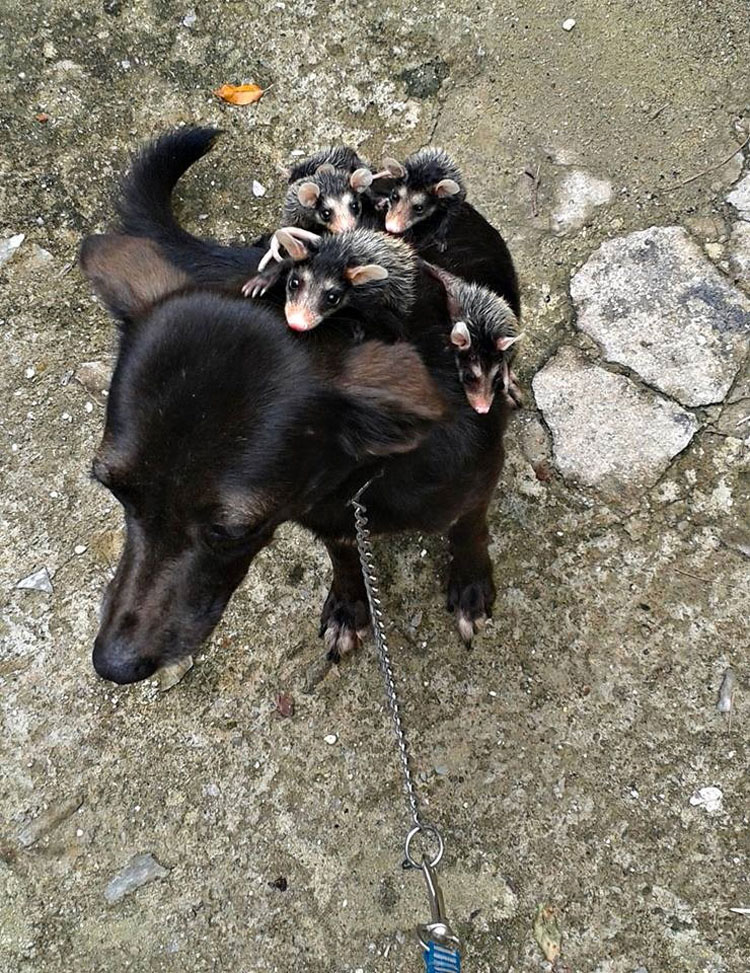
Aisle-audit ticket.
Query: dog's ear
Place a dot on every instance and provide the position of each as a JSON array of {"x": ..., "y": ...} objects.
[
  {"x": 391, "y": 400},
  {"x": 128, "y": 273}
]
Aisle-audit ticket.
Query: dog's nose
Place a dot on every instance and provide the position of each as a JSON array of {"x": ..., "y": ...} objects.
[{"x": 116, "y": 660}]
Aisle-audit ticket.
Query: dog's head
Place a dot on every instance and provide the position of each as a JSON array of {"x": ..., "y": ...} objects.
[{"x": 220, "y": 426}]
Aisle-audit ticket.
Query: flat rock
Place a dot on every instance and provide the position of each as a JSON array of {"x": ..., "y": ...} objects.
[
  {"x": 740, "y": 197},
  {"x": 655, "y": 303},
  {"x": 608, "y": 433},
  {"x": 139, "y": 871},
  {"x": 739, "y": 253},
  {"x": 577, "y": 198}
]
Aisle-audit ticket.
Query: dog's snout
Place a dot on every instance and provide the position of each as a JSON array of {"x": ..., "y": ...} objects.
[{"x": 116, "y": 661}]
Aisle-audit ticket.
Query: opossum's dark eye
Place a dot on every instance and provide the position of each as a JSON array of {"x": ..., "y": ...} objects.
[
  {"x": 293, "y": 283},
  {"x": 354, "y": 206},
  {"x": 394, "y": 196},
  {"x": 325, "y": 214},
  {"x": 418, "y": 208},
  {"x": 333, "y": 298}
]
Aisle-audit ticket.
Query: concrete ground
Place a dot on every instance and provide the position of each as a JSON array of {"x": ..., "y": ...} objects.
[{"x": 567, "y": 755}]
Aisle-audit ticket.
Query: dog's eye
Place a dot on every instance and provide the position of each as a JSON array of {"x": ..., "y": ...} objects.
[
  {"x": 293, "y": 283},
  {"x": 231, "y": 533},
  {"x": 332, "y": 298},
  {"x": 326, "y": 214}
]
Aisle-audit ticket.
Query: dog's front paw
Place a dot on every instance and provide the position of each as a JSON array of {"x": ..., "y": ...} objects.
[
  {"x": 471, "y": 602},
  {"x": 343, "y": 624}
]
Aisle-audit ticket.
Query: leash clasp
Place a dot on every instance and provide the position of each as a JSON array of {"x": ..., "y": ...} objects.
[{"x": 438, "y": 930}]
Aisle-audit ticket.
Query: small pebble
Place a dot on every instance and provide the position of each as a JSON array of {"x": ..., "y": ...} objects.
[
  {"x": 189, "y": 19},
  {"x": 568, "y": 24},
  {"x": 709, "y": 798},
  {"x": 726, "y": 692},
  {"x": 140, "y": 870},
  {"x": 89, "y": 407},
  {"x": 80, "y": 549},
  {"x": 37, "y": 581},
  {"x": 258, "y": 188},
  {"x": 168, "y": 676},
  {"x": 30, "y": 372},
  {"x": 8, "y": 247},
  {"x": 330, "y": 739}
]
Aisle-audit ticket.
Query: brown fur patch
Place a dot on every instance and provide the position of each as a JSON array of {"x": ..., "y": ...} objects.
[
  {"x": 394, "y": 378},
  {"x": 129, "y": 274}
]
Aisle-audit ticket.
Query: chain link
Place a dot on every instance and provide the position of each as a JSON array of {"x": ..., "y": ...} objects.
[{"x": 370, "y": 577}]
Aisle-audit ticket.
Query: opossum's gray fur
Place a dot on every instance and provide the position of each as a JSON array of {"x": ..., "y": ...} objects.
[
  {"x": 483, "y": 309},
  {"x": 357, "y": 248}
]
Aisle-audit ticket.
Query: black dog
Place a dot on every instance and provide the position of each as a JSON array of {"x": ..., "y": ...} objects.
[{"x": 222, "y": 424}]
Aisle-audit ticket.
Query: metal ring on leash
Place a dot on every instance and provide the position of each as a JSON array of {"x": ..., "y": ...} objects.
[{"x": 424, "y": 829}]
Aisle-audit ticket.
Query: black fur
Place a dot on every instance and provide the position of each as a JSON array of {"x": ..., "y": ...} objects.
[{"x": 339, "y": 156}]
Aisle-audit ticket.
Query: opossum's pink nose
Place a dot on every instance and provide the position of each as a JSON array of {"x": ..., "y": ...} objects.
[
  {"x": 301, "y": 318},
  {"x": 341, "y": 223},
  {"x": 396, "y": 224},
  {"x": 480, "y": 403}
]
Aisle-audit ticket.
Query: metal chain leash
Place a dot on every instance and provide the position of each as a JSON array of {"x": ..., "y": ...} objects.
[{"x": 438, "y": 940}]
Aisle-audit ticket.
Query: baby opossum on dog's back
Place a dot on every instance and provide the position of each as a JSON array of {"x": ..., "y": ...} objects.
[
  {"x": 484, "y": 331},
  {"x": 363, "y": 274},
  {"x": 427, "y": 207},
  {"x": 329, "y": 193}
]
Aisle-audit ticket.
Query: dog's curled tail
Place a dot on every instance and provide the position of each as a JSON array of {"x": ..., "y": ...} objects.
[{"x": 144, "y": 201}]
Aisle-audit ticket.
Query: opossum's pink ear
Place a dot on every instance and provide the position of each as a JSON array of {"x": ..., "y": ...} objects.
[
  {"x": 363, "y": 275},
  {"x": 326, "y": 167},
  {"x": 293, "y": 246},
  {"x": 391, "y": 400},
  {"x": 446, "y": 187},
  {"x": 460, "y": 336},
  {"x": 393, "y": 168},
  {"x": 360, "y": 180},
  {"x": 502, "y": 344},
  {"x": 129, "y": 273},
  {"x": 308, "y": 194}
]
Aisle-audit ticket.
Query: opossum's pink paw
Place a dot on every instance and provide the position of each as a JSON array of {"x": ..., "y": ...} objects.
[
  {"x": 342, "y": 626},
  {"x": 471, "y": 602}
]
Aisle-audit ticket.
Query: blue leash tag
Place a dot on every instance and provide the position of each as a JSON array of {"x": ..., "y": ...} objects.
[{"x": 439, "y": 959}]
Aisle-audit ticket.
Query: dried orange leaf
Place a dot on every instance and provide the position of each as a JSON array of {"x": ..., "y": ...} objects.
[{"x": 240, "y": 94}]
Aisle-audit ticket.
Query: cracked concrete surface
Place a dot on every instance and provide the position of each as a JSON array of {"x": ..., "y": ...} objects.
[{"x": 561, "y": 754}]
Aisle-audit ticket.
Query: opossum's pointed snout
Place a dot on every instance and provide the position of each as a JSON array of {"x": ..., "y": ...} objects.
[
  {"x": 480, "y": 403},
  {"x": 301, "y": 318},
  {"x": 343, "y": 222},
  {"x": 396, "y": 224}
]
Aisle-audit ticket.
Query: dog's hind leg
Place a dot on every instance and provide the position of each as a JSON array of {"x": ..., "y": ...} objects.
[
  {"x": 471, "y": 590},
  {"x": 346, "y": 615}
]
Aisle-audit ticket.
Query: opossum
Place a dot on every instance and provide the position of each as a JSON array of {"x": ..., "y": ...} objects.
[
  {"x": 427, "y": 207},
  {"x": 428, "y": 189},
  {"x": 369, "y": 274},
  {"x": 483, "y": 336},
  {"x": 330, "y": 201}
]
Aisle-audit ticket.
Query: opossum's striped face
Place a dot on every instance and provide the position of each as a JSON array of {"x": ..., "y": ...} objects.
[
  {"x": 328, "y": 201},
  {"x": 314, "y": 292},
  {"x": 483, "y": 362},
  {"x": 311, "y": 297},
  {"x": 407, "y": 207}
]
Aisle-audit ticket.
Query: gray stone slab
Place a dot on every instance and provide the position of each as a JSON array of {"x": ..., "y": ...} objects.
[
  {"x": 608, "y": 433},
  {"x": 655, "y": 303},
  {"x": 740, "y": 197}
]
